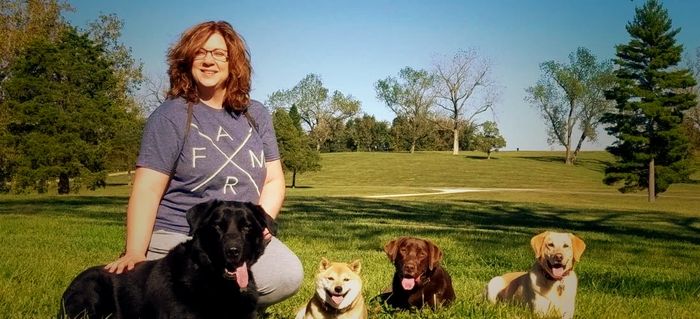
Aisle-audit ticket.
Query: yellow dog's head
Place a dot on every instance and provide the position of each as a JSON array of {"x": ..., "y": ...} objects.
[{"x": 557, "y": 252}]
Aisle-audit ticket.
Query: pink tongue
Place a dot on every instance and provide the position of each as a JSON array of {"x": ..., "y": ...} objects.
[
  {"x": 408, "y": 283},
  {"x": 242, "y": 276},
  {"x": 558, "y": 271},
  {"x": 337, "y": 299}
]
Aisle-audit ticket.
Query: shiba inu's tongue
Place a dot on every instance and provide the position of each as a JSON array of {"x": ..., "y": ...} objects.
[
  {"x": 408, "y": 283},
  {"x": 558, "y": 271},
  {"x": 337, "y": 299},
  {"x": 242, "y": 276}
]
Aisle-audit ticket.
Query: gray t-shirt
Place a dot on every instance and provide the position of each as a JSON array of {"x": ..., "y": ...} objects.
[{"x": 223, "y": 157}]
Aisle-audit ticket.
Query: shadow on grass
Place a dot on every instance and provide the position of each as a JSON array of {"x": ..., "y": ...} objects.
[
  {"x": 429, "y": 217},
  {"x": 105, "y": 208}
]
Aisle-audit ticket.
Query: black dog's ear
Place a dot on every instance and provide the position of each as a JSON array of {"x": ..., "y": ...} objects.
[
  {"x": 263, "y": 218},
  {"x": 199, "y": 214}
]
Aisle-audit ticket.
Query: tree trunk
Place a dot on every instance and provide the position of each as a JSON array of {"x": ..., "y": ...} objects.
[
  {"x": 488, "y": 154},
  {"x": 455, "y": 141},
  {"x": 63, "y": 184},
  {"x": 294, "y": 178},
  {"x": 568, "y": 155},
  {"x": 578, "y": 147},
  {"x": 652, "y": 182},
  {"x": 413, "y": 146}
]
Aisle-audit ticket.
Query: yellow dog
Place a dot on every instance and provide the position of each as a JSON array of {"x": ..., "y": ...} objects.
[{"x": 550, "y": 285}]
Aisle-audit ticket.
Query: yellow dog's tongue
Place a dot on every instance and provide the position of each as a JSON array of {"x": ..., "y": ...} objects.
[
  {"x": 408, "y": 283},
  {"x": 242, "y": 276},
  {"x": 558, "y": 272}
]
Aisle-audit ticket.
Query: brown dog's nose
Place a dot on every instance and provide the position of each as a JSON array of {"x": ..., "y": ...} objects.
[{"x": 409, "y": 268}]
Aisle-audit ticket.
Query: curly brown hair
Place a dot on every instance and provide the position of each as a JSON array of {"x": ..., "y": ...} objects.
[{"x": 181, "y": 56}]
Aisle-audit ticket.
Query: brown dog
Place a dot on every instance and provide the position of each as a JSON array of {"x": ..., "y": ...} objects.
[
  {"x": 550, "y": 286},
  {"x": 419, "y": 278}
]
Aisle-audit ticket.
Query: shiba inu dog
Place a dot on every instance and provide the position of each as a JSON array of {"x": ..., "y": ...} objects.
[{"x": 338, "y": 293}]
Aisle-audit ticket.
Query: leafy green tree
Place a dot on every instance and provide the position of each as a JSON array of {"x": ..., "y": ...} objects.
[
  {"x": 368, "y": 134},
  {"x": 411, "y": 97},
  {"x": 488, "y": 138},
  {"x": 651, "y": 95},
  {"x": 317, "y": 109},
  {"x": 62, "y": 113},
  {"x": 297, "y": 156},
  {"x": 22, "y": 21},
  {"x": 572, "y": 95}
]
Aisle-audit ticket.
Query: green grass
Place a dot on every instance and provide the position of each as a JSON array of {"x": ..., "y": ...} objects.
[{"x": 640, "y": 261}]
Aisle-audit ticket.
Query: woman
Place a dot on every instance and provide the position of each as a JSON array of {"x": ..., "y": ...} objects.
[{"x": 207, "y": 141}]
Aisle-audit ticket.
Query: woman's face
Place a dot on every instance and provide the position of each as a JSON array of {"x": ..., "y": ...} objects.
[{"x": 210, "y": 65}]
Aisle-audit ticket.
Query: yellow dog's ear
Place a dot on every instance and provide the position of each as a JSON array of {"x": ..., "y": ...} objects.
[
  {"x": 324, "y": 264},
  {"x": 578, "y": 247},
  {"x": 434, "y": 253},
  {"x": 392, "y": 248},
  {"x": 356, "y": 266},
  {"x": 537, "y": 243}
]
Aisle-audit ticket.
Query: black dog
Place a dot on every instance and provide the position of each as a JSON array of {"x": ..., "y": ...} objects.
[{"x": 205, "y": 277}]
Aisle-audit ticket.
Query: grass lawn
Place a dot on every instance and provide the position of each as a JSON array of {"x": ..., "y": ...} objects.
[{"x": 640, "y": 261}]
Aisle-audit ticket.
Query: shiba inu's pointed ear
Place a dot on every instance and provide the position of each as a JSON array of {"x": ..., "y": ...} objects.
[
  {"x": 537, "y": 243},
  {"x": 434, "y": 254},
  {"x": 578, "y": 247},
  {"x": 392, "y": 247},
  {"x": 356, "y": 266},
  {"x": 324, "y": 264}
]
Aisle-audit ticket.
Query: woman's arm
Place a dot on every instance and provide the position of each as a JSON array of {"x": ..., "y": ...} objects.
[
  {"x": 149, "y": 186},
  {"x": 272, "y": 194}
]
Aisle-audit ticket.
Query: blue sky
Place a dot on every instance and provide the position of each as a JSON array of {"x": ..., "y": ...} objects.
[{"x": 352, "y": 44}]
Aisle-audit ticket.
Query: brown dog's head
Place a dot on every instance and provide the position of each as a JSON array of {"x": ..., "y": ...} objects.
[
  {"x": 557, "y": 252},
  {"x": 413, "y": 258}
]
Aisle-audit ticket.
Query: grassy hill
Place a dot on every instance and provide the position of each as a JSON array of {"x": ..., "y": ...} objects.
[{"x": 640, "y": 260}]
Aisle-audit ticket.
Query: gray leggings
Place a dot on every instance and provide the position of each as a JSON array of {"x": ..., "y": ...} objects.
[{"x": 278, "y": 273}]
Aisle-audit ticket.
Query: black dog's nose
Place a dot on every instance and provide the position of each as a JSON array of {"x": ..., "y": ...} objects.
[
  {"x": 338, "y": 289},
  {"x": 233, "y": 252}
]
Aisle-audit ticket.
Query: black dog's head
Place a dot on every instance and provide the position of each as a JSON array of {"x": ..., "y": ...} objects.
[{"x": 228, "y": 236}]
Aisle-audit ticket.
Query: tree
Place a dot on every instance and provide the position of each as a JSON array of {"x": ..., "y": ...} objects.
[
  {"x": 22, "y": 21},
  {"x": 464, "y": 90},
  {"x": 411, "y": 99},
  {"x": 691, "y": 121},
  {"x": 488, "y": 138},
  {"x": 296, "y": 154},
  {"x": 124, "y": 146},
  {"x": 651, "y": 95},
  {"x": 316, "y": 108},
  {"x": 572, "y": 95},
  {"x": 368, "y": 134},
  {"x": 62, "y": 113}
]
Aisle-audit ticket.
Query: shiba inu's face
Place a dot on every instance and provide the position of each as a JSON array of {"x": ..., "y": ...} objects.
[{"x": 338, "y": 284}]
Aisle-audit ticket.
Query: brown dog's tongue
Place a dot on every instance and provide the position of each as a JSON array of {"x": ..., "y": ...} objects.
[
  {"x": 408, "y": 283},
  {"x": 242, "y": 276}
]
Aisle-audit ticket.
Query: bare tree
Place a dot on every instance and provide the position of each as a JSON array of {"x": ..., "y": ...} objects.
[{"x": 464, "y": 89}]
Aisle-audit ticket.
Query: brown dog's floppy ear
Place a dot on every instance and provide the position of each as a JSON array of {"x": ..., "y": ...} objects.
[
  {"x": 392, "y": 248},
  {"x": 324, "y": 264},
  {"x": 199, "y": 214},
  {"x": 537, "y": 242},
  {"x": 434, "y": 254},
  {"x": 356, "y": 266},
  {"x": 578, "y": 247}
]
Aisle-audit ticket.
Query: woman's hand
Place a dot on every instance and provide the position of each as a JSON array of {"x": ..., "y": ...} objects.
[{"x": 124, "y": 263}]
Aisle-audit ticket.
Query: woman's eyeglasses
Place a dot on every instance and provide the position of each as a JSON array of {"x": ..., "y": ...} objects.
[{"x": 217, "y": 54}]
